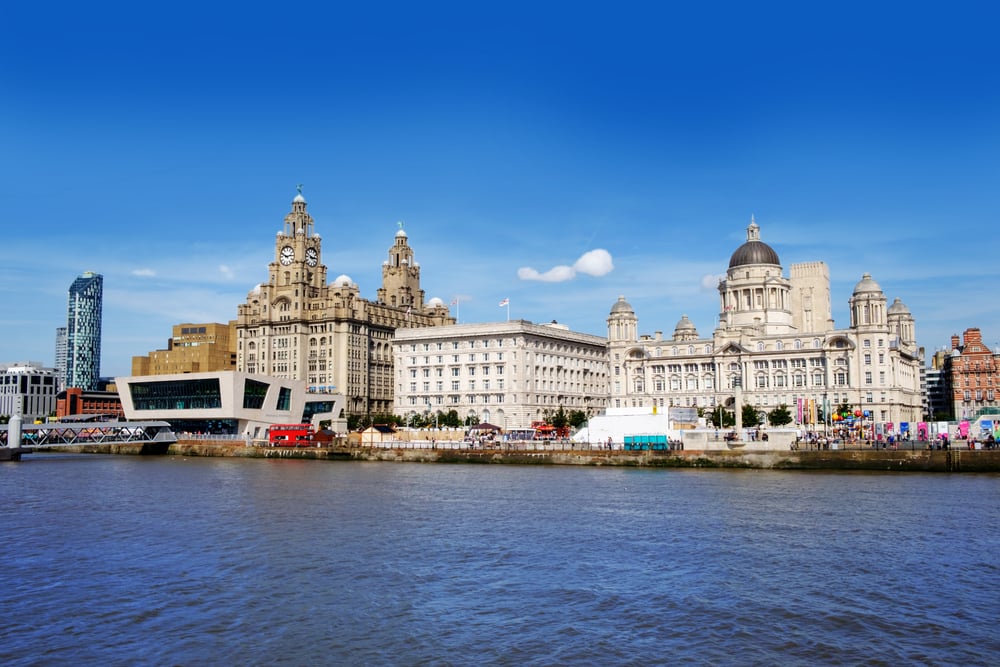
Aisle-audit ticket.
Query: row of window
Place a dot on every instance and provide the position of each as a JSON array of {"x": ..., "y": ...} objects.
[
  {"x": 980, "y": 395},
  {"x": 456, "y": 399}
]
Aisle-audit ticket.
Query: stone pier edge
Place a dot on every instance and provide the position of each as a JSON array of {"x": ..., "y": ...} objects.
[{"x": 954, "y": 460}]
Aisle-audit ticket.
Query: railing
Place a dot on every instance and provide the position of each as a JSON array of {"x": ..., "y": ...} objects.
[
  {"x": 567, "y": 445},
  {"x": 57, "y": 434}
]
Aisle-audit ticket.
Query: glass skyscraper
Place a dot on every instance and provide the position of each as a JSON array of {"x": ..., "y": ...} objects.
[{"x": 83, "y": 332}]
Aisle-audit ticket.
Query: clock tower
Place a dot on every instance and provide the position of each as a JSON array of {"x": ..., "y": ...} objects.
[
  {"x": 297, "y": 249},
  {"x": 297, "y": 325}
]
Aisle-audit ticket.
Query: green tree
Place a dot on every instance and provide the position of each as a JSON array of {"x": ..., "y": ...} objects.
[
  {"x": 721, "y": 418},
  {"x": 559, "y": 418},
  {"x": 750, "y": 416},
  {"x": 577, "y": 418},
  {"x": 779, "y": 416},
  {"x": 451, "y": 419}
]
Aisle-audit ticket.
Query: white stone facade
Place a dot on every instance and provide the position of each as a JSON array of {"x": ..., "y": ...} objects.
[
  {"x": 504, "y": 373},
  {"x": 775, "y": 344},
  {"x": 28, "y": 389}
]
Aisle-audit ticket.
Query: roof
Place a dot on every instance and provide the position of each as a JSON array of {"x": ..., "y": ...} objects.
[
  {"x": 754, "y": 251},
  {"x": 485, "y": 427}
]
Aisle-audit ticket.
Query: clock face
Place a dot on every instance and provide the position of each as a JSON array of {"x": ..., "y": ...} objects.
[
  {"x": 312, "y": 256},
  {"x": 287, "y": 255}
]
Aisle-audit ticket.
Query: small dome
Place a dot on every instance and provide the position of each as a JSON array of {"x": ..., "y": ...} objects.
[
  {"x": 435, "y": 302},
  {"x": 299, "y": 199},
  {"x": 684, "y": 325},
  {"x": 400, "y": 233},
  {"x": 343, "y": 280},
  {"x": 754, "y": 251},
  {"x": 622, "y": 306},
  {"x": 898, "y": 308},
  {"x": 866, "y": 285}
]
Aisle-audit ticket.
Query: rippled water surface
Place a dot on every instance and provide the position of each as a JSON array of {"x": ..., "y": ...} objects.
[{"x": 173, "y": 561}]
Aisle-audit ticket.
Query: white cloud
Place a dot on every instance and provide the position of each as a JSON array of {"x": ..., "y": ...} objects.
[
  {"x": 144, "y": 273},
  {"x": 556, "y": 274},
  {"x": 593, "y": 263},
  {"x": 710, "y": 281},
  {"x": 226, "y": 272}
]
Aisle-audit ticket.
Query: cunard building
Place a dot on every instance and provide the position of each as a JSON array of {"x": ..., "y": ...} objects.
[
  {"x": 299, "y": 326},
  {"x": 775, "y": 344}
]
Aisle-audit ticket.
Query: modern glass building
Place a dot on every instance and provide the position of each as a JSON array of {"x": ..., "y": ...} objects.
[
  {"x": 227, "y": 402},
  {"x": 83, "y": 331}
]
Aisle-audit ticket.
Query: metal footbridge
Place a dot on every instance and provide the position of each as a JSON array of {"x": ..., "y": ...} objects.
[{"x": 61, "y": 434}]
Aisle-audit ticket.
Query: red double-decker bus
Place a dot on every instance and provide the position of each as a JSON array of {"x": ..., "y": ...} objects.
[{"x": 290, "y": 435}]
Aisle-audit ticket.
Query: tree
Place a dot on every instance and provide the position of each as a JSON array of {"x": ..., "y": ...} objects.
[
  {"x": 451, "y": 419},
  {"x": 779, "y": 416},
  {"x": 721, "y": 418},
  {"x": 750, "y": 415},
  {"x": 577, "y": 418},
  {"x": 559, "y": 418}
]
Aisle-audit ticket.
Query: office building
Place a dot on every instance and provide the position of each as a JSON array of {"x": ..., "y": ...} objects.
[
  {"x": 972, "y": 377},
  {"x": 83, "y": 332},
  {"x": 192, "y": 348},
  {"x": 775, "y": 344},
  {"x": 299, "y": 326},
  {"x": 508, "y": 374},
  {"x": 227, "y": 402},
  {"x": 61, "y": 351},
  {"x": 28, "y": 388}
]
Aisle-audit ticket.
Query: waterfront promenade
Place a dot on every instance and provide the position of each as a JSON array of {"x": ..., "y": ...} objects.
[{"x": 897, "y": 460}]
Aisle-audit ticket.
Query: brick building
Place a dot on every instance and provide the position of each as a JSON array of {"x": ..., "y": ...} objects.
[{"x": 972, "y": 376}]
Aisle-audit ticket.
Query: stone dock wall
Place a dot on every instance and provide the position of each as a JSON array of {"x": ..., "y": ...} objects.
[{"x": 953, "y": 460}]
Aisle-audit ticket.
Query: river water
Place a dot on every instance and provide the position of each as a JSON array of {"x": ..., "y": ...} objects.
[{"x": 109, "y": 560}]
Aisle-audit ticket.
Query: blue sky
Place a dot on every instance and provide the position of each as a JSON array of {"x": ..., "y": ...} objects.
[{"x": 628, "y": 143}]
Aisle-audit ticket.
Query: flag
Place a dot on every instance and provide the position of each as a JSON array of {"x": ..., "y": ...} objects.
[
  {"x": 454, "y": 301},
  {"x": 505, "y": 302}
]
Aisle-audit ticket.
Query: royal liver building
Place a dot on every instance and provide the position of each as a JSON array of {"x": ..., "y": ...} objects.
[
  {"x": 296, "y": 325},
  {"x": 776, "y": 344}
]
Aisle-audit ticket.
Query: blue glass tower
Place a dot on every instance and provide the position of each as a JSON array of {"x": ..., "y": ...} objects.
[{"x": 83, "y": 332}]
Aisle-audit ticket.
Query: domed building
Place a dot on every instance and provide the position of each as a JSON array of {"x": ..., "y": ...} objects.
[
  {"x": 775, "y": 344},
  {"x": 298, "y": 326}
]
